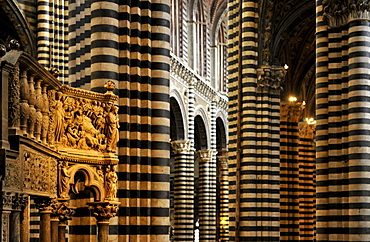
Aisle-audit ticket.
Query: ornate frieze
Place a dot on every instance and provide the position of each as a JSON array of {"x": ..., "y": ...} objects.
[
  {"x": 270, "y": 78},
  {"x": 339, "y": 12}
]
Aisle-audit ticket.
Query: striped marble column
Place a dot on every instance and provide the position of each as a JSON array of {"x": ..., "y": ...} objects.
[
  {"x": 43, "y": 32},
  {"x": 343, "y": 141},
  {"x": 224, "y": 198},
  {"x": 307, "y": 183},
  {"x": 206, "y": 220},
  {"x": 104, "y": 43},
  {"x": 289, "y": 171},
  {"x": 184, "y": 191}
]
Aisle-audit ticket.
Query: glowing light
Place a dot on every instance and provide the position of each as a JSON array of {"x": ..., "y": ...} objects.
[
  {"x": 292, "y": 99},
  {"x": 310, "y": 120},
  {"x": 286, "y": 67},
  {"x": 303, "y": 103}
]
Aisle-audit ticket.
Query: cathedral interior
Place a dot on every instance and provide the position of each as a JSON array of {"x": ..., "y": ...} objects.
[{"x": 184, "y": 120}]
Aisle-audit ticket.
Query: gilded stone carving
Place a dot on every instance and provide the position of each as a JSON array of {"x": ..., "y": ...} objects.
[
  {"x": 270, "y": 78},
  {"x": 14, "y": 98},
  {"x": 82, "y": 124},
  {"x": 39, "y": 172},
  {"x": 291, "y": 111},
  {"x": 64, "y": 180}
]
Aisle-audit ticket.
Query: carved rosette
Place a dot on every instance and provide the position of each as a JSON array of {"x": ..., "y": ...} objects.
[
  {"x": 291, "y": 111},
  {"x": 103, "y": 211},
  {"x": 270, "y": 78},
  {"x": 14, "y": 99},
  {"x": 60, "y": 208},
  {"x": 340, "y": 12},
  {"x": 180, "y": 146}
]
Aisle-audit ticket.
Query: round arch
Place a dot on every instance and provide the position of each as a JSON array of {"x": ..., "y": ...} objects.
[
  {"x": 177, "y": 117},
  {"x": 201, "y": 141}
]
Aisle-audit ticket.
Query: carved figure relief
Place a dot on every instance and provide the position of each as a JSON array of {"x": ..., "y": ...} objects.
[
  {"x": 82, "y": 124},
  {"x": 111, "y": 179},
  {"x": 64, "y": 180}
]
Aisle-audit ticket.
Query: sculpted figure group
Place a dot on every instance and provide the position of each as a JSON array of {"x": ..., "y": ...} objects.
[{"x": 82, "y": 124}]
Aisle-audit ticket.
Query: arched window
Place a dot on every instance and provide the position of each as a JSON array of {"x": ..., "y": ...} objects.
[
  {"x": 222, "y": 56},
  {"x": 176, "y": 26},
  {"x": 200, "y": 38}
]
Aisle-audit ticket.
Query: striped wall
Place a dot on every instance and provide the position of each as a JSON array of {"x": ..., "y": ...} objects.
[
  {"x": 342, "y": 88},
  {"x": 144, "y": 148},
  {"x": 83, "y": 226}
]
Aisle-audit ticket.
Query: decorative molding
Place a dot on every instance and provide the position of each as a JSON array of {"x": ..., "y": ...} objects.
[
  {"x": 338, "y": 12},
  {"x": 270, "y": 78}
]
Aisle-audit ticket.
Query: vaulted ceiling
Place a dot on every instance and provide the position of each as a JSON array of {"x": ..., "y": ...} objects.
[{"x": 291, "y": 41}]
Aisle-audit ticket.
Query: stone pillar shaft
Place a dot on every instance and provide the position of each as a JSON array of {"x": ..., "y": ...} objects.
[
  {"x": 205, "y": 199},
  {"x": 183, "y": 191},
  {"x": 224, "y": 198}
]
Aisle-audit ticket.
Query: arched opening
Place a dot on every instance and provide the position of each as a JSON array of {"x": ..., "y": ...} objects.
[
  {"x": 200, "y": 143},
  {"x": 177, "y": 132}
]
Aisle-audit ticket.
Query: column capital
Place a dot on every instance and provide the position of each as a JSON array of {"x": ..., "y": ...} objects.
[
  {"x": 204, "y": 154},
  {"x": 180, "y": 146},
  {"x": 103, "y": 211},
  {"x": 19, "y": 201},
  {"x": 270, "y": 78},
  {"x": 291, "y": 111},
  {"x": 338, "y": 12},
  {"x": 60, "y": 208},
  {"x": 307, "y": 130},
  {"x": 44, "y": 204}
]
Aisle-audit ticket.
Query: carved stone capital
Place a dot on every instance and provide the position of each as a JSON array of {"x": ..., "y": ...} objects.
[
  {"x": 103, "y": 211},
  {"x": 204, "y": 154},
  {"x": 223, "y": 161},
  {"x": 270, "y": 78},
  {"x": 340, "y": 12},
  {"x": 180, "y": 146},
  {"x": 60, "y": 208},
  {"x": 291, "y": 111},
  {"x": 307, "y": 130},
  {"x": 6, "y": 200},
  {"x": 19, "y": 201},
  {"x": 43, "y": 204}
]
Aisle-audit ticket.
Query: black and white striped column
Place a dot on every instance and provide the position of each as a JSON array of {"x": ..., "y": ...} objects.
[
  {"x": 105, "y": 43},
  {"x": 206, "y": 220},
  {"x": 183, "y": 191},
  {"x": 224, "y": 198}
]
